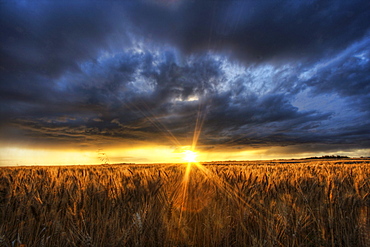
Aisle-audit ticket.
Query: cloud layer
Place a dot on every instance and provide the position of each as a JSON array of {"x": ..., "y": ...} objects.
[{"x": 255, "y": 74}]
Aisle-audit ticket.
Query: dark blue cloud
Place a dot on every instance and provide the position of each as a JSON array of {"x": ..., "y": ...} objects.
[
  {"x": 256, "y": 31},
  {"x": 262, "y": 73},
  {"x": 346, "y": 74}
]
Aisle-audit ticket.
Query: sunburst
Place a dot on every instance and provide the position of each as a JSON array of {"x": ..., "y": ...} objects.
[{"x": 190, "y": 156}]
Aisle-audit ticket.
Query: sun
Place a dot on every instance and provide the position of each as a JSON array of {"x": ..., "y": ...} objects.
[{"x": 189, "y": 156}]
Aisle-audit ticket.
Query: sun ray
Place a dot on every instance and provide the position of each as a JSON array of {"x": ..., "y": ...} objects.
[
  {"x": 198, "y": 124},
  {"x": 146, "y": 112},
  {"x": 184, "y": 198},
  {"x": 185, "y": 184}
]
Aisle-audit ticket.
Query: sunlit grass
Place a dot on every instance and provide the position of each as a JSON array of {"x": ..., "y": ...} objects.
[{"x": 193, "y": 204}]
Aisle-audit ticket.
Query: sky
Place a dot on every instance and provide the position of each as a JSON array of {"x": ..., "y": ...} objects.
[{"x": 141, "y": 81}]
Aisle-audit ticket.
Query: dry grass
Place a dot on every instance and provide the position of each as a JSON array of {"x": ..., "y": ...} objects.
[{"x": 252, "y": 204}]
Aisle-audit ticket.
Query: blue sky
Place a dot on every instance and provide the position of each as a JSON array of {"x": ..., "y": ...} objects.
[{"x": 291, "y": 78}]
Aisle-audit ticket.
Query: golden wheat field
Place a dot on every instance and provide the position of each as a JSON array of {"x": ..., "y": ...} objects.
[{"x": 311, "y": 203}]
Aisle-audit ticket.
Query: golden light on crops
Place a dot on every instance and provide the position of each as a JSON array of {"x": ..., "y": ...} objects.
[{"x": 190, "y": 156}]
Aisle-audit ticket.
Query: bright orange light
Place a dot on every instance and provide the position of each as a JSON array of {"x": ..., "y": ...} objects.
[{"x": 190, "y": 156}]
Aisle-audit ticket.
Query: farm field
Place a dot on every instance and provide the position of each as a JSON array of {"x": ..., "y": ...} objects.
[{"x": 261, "y": 203}]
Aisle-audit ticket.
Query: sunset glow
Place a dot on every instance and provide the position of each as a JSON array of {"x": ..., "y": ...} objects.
[{"x": 190, "y": 156}]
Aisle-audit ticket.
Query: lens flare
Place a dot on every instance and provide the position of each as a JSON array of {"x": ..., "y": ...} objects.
[{"x": 190, "y": 156}]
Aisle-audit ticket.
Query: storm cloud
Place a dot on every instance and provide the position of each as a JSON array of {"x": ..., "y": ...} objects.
[{"x": 255, "y": 74}]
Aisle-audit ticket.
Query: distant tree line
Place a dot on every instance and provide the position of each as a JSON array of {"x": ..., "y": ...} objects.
[{"x": 330, "y": 157}]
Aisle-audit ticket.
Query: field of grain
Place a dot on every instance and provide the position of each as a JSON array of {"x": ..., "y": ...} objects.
[{"x": 318, "y": 203}]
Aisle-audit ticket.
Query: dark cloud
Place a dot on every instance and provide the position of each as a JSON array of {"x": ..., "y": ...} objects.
[
  {"x": 256, "y": 31},
  {"x": 346, "y": 74},
  {"x": 255, "y": 74},
  {"x": 49, "y": 38},
  {"x": 265, "y": 121}
]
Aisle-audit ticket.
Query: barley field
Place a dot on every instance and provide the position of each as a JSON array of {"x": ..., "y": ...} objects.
[{"x": 308, "y": 203}]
